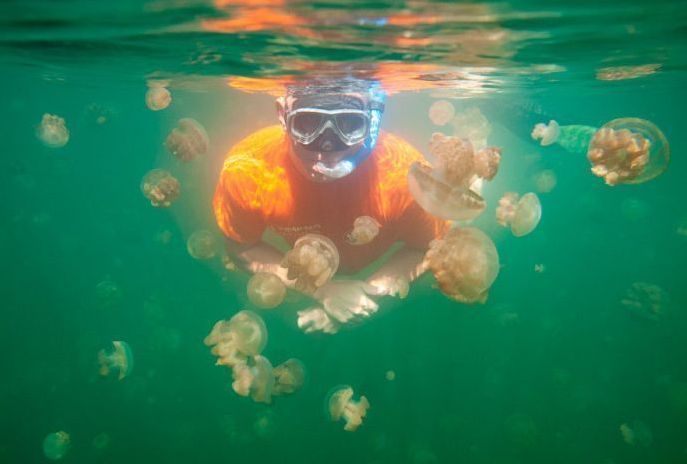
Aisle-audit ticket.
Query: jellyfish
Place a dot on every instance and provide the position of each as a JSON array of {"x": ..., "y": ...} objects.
[
  {"x": 288, "y": 377},
  {"x": 253, "y": 377},
  {"x": 546, "y": 134},
  {"x": 365, "y": 229},
  {"x": 108, "y": 294},
  {"x": 120, "y": 359},
  {"x": 264, "y": 424},
  {"x": 312, "y": 320},
  {"x": 472, "y": 125},
  {"x": 101, "y": 441},
  {"x": 158, "y": 97},
  {"x": 622, "y": 151},
  {"x": 390, "y": 375},
  {"x": 447, "y": 188},
  {"x": 465, "y": 264},
  {"x": 636, "y": 433},
  {"x": 545, "y": 181},
  {"x": 646, "y": 300},
  {"x": 56, "y": 445},
  {"x": 161, "y": 188},
  {"x": 240, "y": 337},
  {"x": 188, "y": 140},
  {"x": 266, "y": 290},
  {"x": 441, "y": 112},
  {"x": 202, "y": 245},
  {"x": 539, "y": 268},
  {"x": 312, "y": 262},
  {"x": 53, "y": 131},
  {"x": 340, "y": 405},
  {"x": 521, "y": 214}
]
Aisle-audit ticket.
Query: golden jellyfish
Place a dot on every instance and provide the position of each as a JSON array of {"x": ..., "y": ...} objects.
[
  {"x": 545, "y": 181},
  {"x": 622, "y": 151},
  {"x": 266, "y": 290},
  {"x": 341, "y": 405},
  {"x": 521, "y": 214},
  {"x": 636, "y": 433},
  {"x": 158, "y": 97},
  {"x": 254, "y": 378},
  {"x": 546, "y": 134},
  {"x": 289, "y": 376},
  {"x": 235, "y": 340},
  {"x": 312, "y": 262},
  {"x": 447, "y": 188},
  {"x": 188, "y": 140},
  {"x": 120, "y": 359},
  {"x": 365, "y": 229},
  {"x": 646, "y": 300},
  {"x": 441, "y": 112},
  {"x": 161, "y": 188},
  {"x": 471, "y": 124},
  {"x": 53, "y": 131},
  {"x": 56, "y": 445},
  {"x": 465, "y": 264},
  {"x": 202, "y": 245}
]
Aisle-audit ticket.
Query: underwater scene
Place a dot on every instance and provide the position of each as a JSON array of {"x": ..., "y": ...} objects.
[{"x": 400, "y": 231}]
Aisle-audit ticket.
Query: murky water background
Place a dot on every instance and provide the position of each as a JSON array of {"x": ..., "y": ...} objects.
[{"x": 546, "y": 371}]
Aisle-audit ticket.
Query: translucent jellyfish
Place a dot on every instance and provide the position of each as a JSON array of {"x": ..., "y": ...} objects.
[
  {"x": 441, "y": 112},
  {"x": 521, "y": 214},
  {"x": 161, "y": 188},
  {"x": 539, "y": 268},
  {"x": 108, "y": 294},
  {"x": 646, "y": 300},
  {"x": 289, "y": 376},
  {"x": 465, "y": 264},
  {"x": 188, "y": 140},
  {"x": 546, "y": 134},
  {"x": 545, "y": 181},
  {"x": 266, "y": 290},
  {"x": 240, "y": 337},
  {"x": 312, "y": 262},
  {"x": 447, "y": 188},
  {"x": 56, "y": 445},
  {"x": 636, "y": 433},
  {"x": 264, "y": 424},
  {"x": 120, "y": 359},
  {"x": 53, "y": 131},
  {"x": 365, "y": 229},
  {"x": 622, "y": 151},
  {"x": 158, "y": 97},
  {"x": 101, "y": 441},
  {"x": 340, "y": 405},
  {"x": 390, "y": 375},
  {"x": 254, "y": 378},
  {"x": 471, "y": 124},
  {"x": 202, "y": 245}
]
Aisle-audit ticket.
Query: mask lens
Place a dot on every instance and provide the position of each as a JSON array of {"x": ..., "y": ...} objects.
[
  {"x": 306, "y": 124},
  {"x": 352, "y": 125}
]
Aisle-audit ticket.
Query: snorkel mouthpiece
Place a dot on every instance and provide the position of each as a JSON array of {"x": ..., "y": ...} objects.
[{"x": 341, "y": 169}]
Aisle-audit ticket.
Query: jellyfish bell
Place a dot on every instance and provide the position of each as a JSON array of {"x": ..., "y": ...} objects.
[
  {"x": 161, "y": 188},
  {"x": 101, "y": 441},
  {"x": 340, "y": 405},
  {"x": 521, "y": 214},
  {"x": 254, "y": 378},
  {"x": 441, "y": 112},
  {"x": 56, "y": 445},
  {"x": 646, "y": 300},
  {"x": 120, "y": 359},
  {"x": 53, "y": 131},
  {"x": 188, "y": 140},
  {"x": 465, "y": 264},
  {"x": 233, "y": 341},
  {"x": 545, "y": 181},
  {"x": 202, "y": 245},
  {"x": 628, "y": 151},
  {"x": 266, "y": 290},
  {"x": 457, "y": 203},
  {"x": 312, "y": 262},
  {"x": 289, "y": 376},
  {"x": 546, "y": 134},
  {"x": 158, "y": 97},
  {"x": 365, "y": 229},
  {"x": 471, "y": 124}
]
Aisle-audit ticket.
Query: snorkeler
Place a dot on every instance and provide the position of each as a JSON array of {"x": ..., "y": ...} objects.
[{"x": 323, "y": 167}]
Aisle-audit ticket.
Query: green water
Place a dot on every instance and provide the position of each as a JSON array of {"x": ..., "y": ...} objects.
[{"x": 545, "y": 372}]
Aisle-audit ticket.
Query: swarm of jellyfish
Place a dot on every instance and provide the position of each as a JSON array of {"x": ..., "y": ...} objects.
[
  {"x": 235, "y": 340},
  {"x": 253, "y": 377},
  {"x": 636, "y": 433},
  {"x": 365, "y": 229},
  {"x": 441, "y": 112},
  {"x": 312, "y": 262},
  {"x": 56, "y": 445},
  {"x": 202, "y": 245},
  {"x": 188, "y": 140},
  {"x": 342, "y": 406},
  {"x": 521, "y": 214},
  {"x": 646, "y": 300},
  {"x": 158, "y": 97},
  {"x": 119, "y": 360},
  {"x": 53, "y": 131},
  {"x": 266, "y": 290},
  {"x": 289, "y": 376},
  {"x": 622, "y": 151},
  {"x": 446, "y": 189},
  {"x": 161, "y": 188},
  {"x": 471, "y": 124},
  {"x": 465, "y": 264}
]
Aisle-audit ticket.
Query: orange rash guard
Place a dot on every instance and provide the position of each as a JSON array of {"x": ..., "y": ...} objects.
[{"x": 260, "y": 188}]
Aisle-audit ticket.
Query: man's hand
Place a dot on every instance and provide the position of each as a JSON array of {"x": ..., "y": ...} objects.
[
  {"x": 391, "y": 285},
  {"x": 317, "y": 320},
  {"x": 347, "y": 300}
]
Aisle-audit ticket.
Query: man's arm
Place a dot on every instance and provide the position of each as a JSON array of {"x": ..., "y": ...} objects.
[
  {"x": 403, "y": 267},
  {"x": 260, "y": 257}
]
